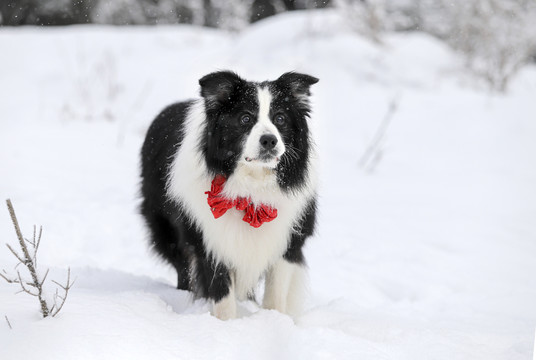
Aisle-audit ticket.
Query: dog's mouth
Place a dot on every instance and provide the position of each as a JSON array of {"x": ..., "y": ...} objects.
[{"x": 265, "y": 159}]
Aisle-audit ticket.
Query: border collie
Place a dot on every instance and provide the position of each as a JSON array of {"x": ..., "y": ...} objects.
[{"x": 229, "y": 189}]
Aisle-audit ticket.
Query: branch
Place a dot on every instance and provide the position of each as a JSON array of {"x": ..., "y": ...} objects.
[
  {"x": 13, "y": 281},
  {"x": 372, "y": 155},
  {"x": 10, "y": 281},
  {"x": 44, "y": 278},
  {"x": 56, "y": 309},
  {"x": 36, "y": 246},
  {"x": 8, "y": 323},
  {"x": 21, "y": 283},
  {"x": 15, "y": 253}
]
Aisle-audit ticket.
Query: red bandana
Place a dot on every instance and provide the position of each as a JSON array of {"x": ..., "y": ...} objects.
[{"x": 219, "y": 205}]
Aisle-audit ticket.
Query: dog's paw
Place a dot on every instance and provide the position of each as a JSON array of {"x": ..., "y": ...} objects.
[{"x": 225, "y": 309}]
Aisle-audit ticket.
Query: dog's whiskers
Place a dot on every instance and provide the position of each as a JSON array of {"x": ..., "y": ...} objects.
[{"x": 291, "y": 152}]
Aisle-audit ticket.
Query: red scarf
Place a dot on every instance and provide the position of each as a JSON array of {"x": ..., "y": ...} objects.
[{"x": 255, "y": 215}]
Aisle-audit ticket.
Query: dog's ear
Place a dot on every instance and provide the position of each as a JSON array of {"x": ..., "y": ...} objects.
[
  {"x": 297, "y": 83},
  {"x": 218, "y": 87}
]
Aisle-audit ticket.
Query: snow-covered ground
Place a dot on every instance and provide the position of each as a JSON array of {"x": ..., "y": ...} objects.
[{"x": 429, "y": 255}]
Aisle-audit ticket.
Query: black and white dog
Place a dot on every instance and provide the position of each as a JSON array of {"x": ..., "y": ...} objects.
[{"x": 229, "y": 189}]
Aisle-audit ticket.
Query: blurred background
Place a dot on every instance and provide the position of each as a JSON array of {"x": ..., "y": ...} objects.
[
  {"x": 425, "y": 124},
  {"x": 496, "y": 36}
]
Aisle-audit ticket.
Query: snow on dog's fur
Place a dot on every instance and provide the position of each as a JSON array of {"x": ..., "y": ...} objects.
[{"x": 256, "y": 136}]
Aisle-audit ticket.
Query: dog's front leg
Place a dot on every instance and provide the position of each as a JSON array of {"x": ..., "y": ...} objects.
[
  {"x": 221, "y": 292},
  {"x": 225, "y": 308},
  {"x": 285, "y": 287}
]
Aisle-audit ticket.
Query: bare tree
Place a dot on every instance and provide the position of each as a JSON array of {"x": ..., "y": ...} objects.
[{"x": 29, "y": 260}]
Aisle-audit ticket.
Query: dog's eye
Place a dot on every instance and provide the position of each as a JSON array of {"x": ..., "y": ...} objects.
[
  {"x": 279, "y": 119},
  {"x": 245, "y": 119}
]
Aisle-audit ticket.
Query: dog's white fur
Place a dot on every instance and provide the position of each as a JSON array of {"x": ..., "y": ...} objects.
[{"x": 248, "y": 252}]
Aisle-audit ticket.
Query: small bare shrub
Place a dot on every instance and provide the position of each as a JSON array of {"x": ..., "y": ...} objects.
[{"x": 28, "y": 259}]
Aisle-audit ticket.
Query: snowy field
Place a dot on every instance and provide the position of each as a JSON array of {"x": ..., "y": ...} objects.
[{"x": 429, "y": 253}]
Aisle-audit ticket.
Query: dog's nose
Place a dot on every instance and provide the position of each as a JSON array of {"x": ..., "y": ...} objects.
[{"x": 268, "y": 141}]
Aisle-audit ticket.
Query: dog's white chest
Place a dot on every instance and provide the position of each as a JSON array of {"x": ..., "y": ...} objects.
[{"x": 246, "y": 250}]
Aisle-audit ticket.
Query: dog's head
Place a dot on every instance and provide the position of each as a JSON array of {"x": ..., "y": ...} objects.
[{"x": 257, "y": 124}]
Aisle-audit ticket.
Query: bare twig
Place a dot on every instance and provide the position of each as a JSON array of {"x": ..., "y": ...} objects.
[
  {"x": 36, "y": 246},
  {"x": 15, "y": 253},
  {"x": 21, "y": 283},
  {"x": 12, "y": 281},
  {"x": 44, "y": 278},
  {"x": 5, "y": 277},
  {"x": 373, "y": 153},
  {"x": 56, "y": 308},
  {"x": 34, "y": 287},
  {"x": 8, "y": 323}
]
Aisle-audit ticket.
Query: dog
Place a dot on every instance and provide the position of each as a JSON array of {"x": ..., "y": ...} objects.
[{"x": 229, "y": 190}]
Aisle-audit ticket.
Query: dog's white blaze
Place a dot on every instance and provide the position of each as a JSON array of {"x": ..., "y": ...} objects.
[
  {"x": 263, "y": 126},
  {"x": 265, "y": 100},
  {"x": 244, "y": 249}
]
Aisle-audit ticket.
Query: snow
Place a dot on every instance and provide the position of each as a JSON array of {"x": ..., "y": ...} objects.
[{"x": 431, "y": 255}]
